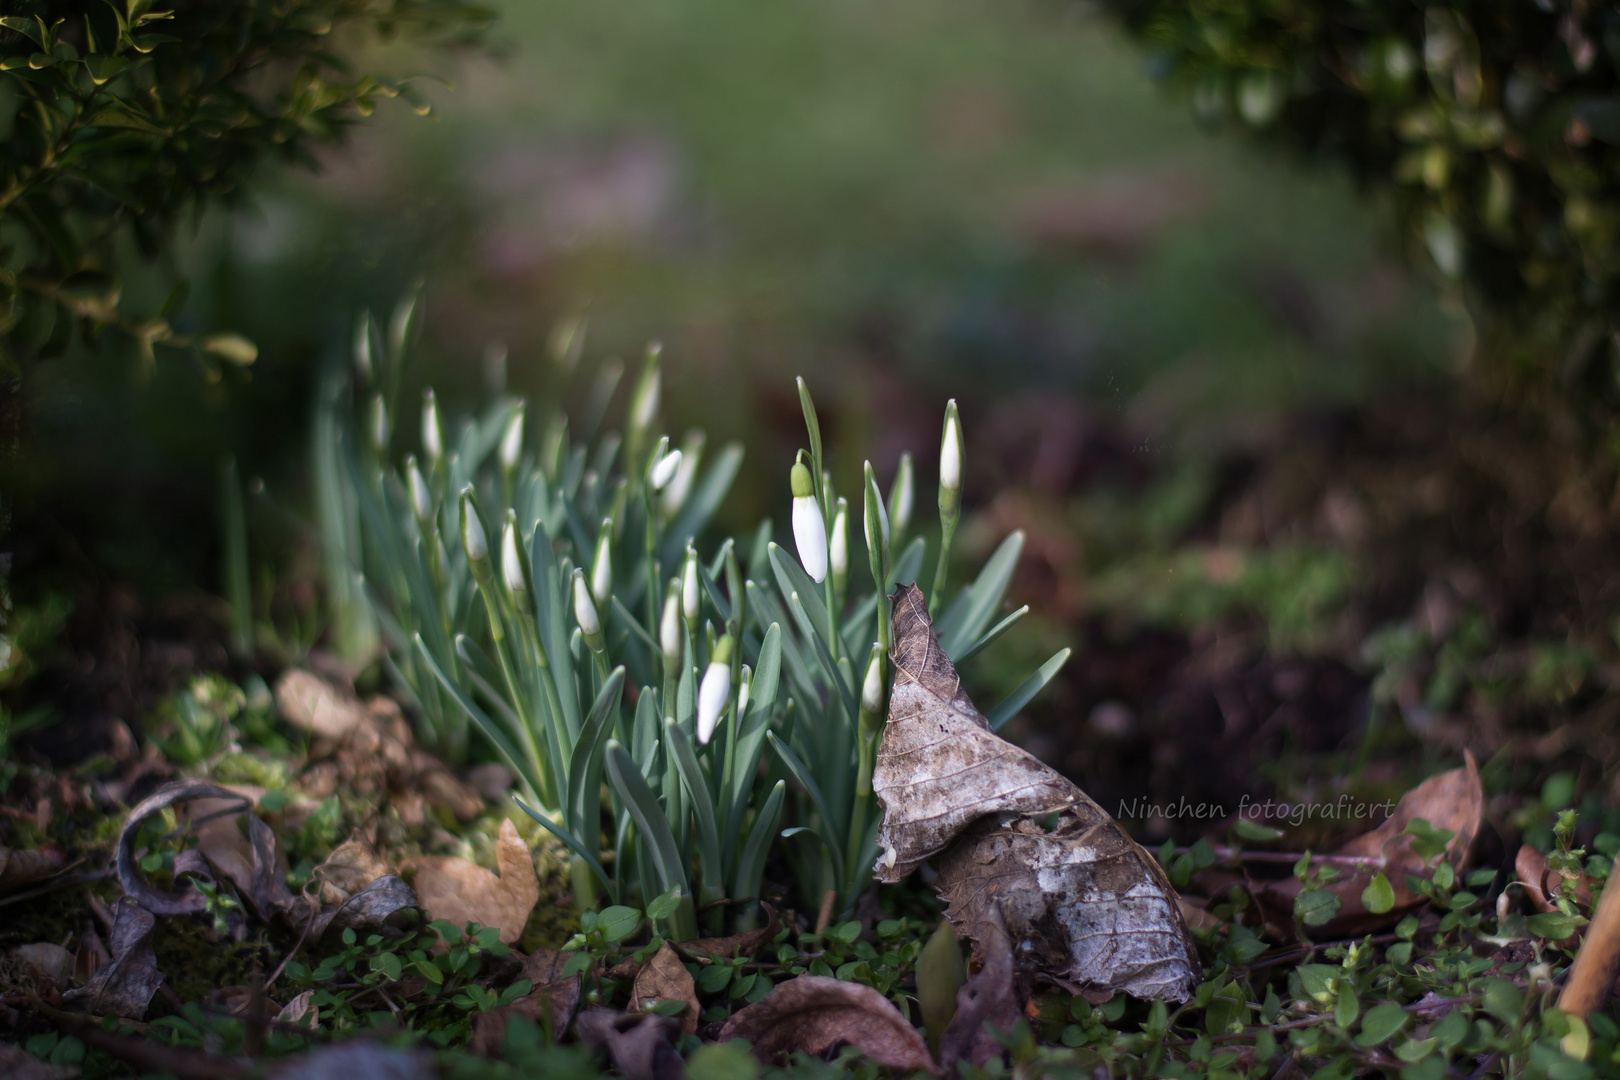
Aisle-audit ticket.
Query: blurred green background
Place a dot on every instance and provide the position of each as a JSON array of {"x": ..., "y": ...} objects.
[{"x": 901, "y": 200}]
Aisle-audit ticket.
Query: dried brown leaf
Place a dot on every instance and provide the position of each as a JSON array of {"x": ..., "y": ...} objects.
[
  {"x": 641, "y": 1046},
  {"x": 352, "y": 866},
  {"x": 986, "y": 1005},
  {"x": 22, "y": 867},
  {"x": 462, "y": 891},
  {"x": 745, "y": 944},
  {"x": 301, "y": 1011},
  {"x": 315, "y": 705},
  {"x": 1453, "y": 800},
  {"x": 1084, "y": 905},
  {"x": 665, "y": 978},
  {"x": 124, "y": 987},
  {"x": 1530, "y": 867},
  {"x": 817, "y": 1015},
  {"x": 188, "y": 900}
]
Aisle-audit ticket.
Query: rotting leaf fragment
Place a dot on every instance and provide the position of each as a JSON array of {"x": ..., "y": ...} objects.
[{"x": 1084, "y": 905}]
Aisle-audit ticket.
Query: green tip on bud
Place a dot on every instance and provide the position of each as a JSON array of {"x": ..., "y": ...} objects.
[
  {"x": 803, "y": 485},
  {"x": 722, "y": 650}
]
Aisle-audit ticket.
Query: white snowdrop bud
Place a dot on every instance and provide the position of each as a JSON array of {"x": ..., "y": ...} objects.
[
  {"x": 714, "y": 690},
  {"x": 380, "y": 428},
  {"x": 902, "y": 498},
  {"x": 838, "y": 550},
  {"x": 644, "y": 405},
  {"x": 809, "y": 529},
  {"x": 872, "y": 686},
  {"x": 669, "y": 628},
  {"x": 664, "y": 471},
  {"x": 421, "y": 496},
  {"x": 512, "y": 440},
  {"x": 691, "y": 597},
  {"x": 745, "y": 683},
  {"x": 432, "y": 430},
  {"x": 472, "y": 530},
  {"x": 590, "y": 624},
  {"x": 950, "y": 450},
  {"x": 512, "y": 562},
  {"x": 602, "y": 569}
]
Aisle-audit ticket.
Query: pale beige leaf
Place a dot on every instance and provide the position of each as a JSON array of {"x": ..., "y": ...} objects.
[
  {"x": 462, "y": 891},
  {"x": 665, "y": 978},
  {"x": 309, "y": 702},
  {"x": 1083, "y": 904},
  {"x": 352, "y": 866}
]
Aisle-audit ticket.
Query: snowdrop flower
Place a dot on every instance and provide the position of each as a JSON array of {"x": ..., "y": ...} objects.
[
  {"x": 809, "y": 530},
  {"x": 644, "y": 403},
  {"x": 512, "y": 441},
  {"x": 380, "y": 428},
  {"x": 691, "y": 598},
  {"x": 745, "y": 683},
  {"x": 669, "y": 626},
  {"x": 590, "y": 624},
  {"x": 421, "y": 496},
  {"x": 472, "y": 530},
  {"x": 512, "y": 562},
  {"x": 665, "y": 469},
  {"x": 950, "y": 460},
  {"x": 838, "y": 551},
  {"x": 432, "y": 430},
  {"x": 903, "y": 495},
  {"x": 602, "y": 569},
  {"x": 714, "y": 690},
  {"x": 872, "y": 686}
]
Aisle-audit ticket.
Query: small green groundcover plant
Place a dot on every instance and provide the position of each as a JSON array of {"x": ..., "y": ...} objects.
[{"x": 670, "y": 712}]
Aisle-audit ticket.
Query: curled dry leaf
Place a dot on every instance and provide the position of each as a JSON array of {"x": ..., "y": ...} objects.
[
  {"x": 301, "y": 1011},
  {"x": 1453, "y": 801},
  {"x": 817, "y": 1015},
  {"x": 22, "y": 867},
  {"x": 986, "y": 1006},
  {"x": 665, "y": 978},
  {"x": 189, "y": 900},
  {"x": 462, "y": 891},
  {"x": 124, "y": 986},
  {"x": 641, "y": 1046},
  {"x": 1539, "y": 883},
  {"x": 745, "y": 944},
  {"x": 387, "y": 905},
  {"x": 352, "y": 866},
  {"x": 1084, "y": 905}
]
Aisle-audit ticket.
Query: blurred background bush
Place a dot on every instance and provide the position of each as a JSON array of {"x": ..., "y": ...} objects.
[{"x": 899, "y": 200}]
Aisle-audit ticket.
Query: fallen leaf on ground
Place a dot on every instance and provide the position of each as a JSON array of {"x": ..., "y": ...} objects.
[
  {"x": 817, "y": 1015},
  {"x": 746, "y": 943},
  {"x": 1530, "y": 867},
  {"x": 665, "y": 978},
  {"x": 986, "y": 1006},
  {"x": 22, "y": 867},
  {"x": 189, "y": 900},
  {"x": 315, "y": 705},
  {"x": 462, "y": 891},
  {"x": 1453, "y": 801},
  {"x": 387, "y": 905},
  {"x": 1084, "y": 905},
  {"x": 352, "y": 866},
  {"x": 641, "y": 1046},
  {"x": 47, "y": 959},
  {"x": 124, "y": 986},
  {"x": 301, "y": 1010},
  {"x": 544, "y": 970}
]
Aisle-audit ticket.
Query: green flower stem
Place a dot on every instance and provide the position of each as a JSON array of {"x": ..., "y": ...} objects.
[
  {"x": 936, "y": 596},
  {"x": 497, "y": 631}
]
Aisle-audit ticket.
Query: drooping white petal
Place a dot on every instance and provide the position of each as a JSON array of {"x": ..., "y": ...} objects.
[
  {"x": 712, "y": 695},
  {"x": 810, "y": 536}
]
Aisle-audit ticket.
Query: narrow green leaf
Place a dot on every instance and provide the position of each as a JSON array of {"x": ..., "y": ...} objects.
[
  {"x": 991, "y": 635},
  {"x": 644, "y": 808},
  {"x": 751, "y": 866},
  {"x": 1026, "y": 690},
  {"x": 702, "y": 800},
  {"x": 964, "y": 625}
]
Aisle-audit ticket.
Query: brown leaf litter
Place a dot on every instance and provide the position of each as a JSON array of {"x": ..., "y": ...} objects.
[
  {"x": 665, "y": 978},
  {"x": 1452, "y": 800},
  {"x": 1083, "y": 904},
  {"x": 815, "y": 1015},
  {"x": 366, "y": 748},
  {"x": 461, "y": 891}
]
